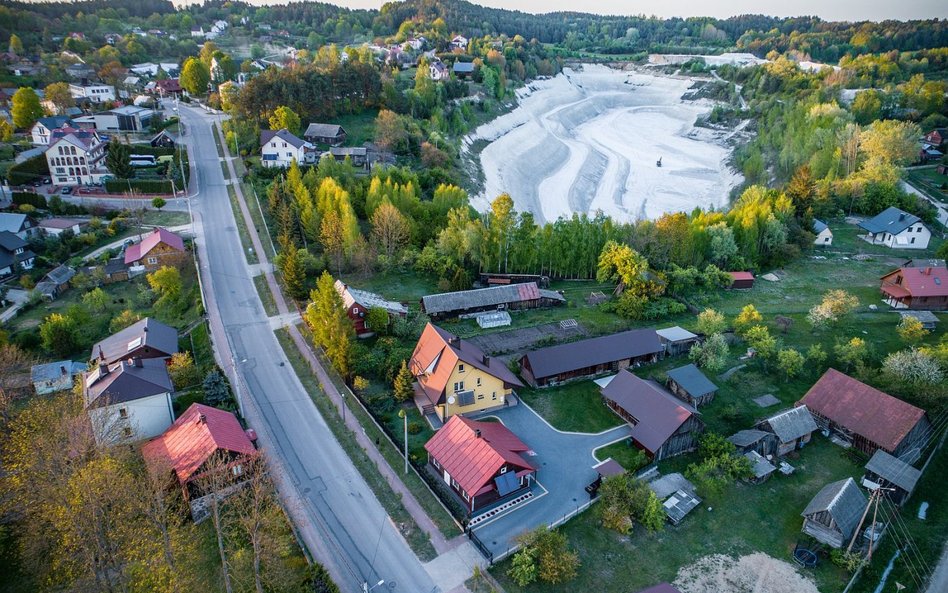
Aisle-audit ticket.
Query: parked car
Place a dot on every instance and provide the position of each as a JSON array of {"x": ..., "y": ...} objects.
[{"x": 66, "y": 191}]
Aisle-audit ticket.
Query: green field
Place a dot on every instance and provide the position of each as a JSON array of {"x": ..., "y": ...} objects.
[{"x": 573, "y": 407}]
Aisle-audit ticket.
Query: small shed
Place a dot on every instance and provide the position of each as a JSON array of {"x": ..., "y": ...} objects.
[
  {"x": 927, "y": 318},
  {"x": 834, "y": 513},
  {"x": 677, "y": 340},
  {"x": 116, "y": 270},
  {"x": 760, "y": 466},
  {"x": 759, "y": 441},
  {"x": 741, "y": 280},
  {"x": 608, "y": 468},
  {"x": 680, "y": 504},
  {"x": 897, "y": 476},
  {"x": 689, "y": 384},
  {"x": 793, "y": 427}
]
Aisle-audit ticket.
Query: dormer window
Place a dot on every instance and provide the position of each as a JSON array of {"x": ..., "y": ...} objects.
[{"x": 461, "y": 368}]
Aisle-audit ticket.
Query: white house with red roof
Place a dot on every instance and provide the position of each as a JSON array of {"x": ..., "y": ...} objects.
[
  {"x": 920, "y": 288},
  {"x": 481, "y": 462},
  {"x": 76, "y": 157},
  {"x": 159, "y": 248},
  {"x": 193, "y": 440}
]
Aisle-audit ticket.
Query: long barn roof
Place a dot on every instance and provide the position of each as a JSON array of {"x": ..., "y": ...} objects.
[
  {"x": 564, "y": 358},
  {"x": 493, "y": 296}
]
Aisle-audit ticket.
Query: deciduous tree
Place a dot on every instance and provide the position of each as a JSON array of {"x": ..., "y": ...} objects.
[
  {"x": 58, "y": 94},
  {"x": 183, "y": 371},
  {"x": 911, "y": 330},
  {"x": 332, "y": 329},
  {"x": 284, "y": 117},
  {"x": 26, "y": 108},
  {"x": 711, "y": 322},
  {"x": 710, "y": 355},
  {"x": 747, "y": 318},
  {"x": 390, "y": 228},
  {"x": 195, "y": 76}
]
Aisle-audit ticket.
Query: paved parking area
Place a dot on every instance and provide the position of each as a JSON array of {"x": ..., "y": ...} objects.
[
  {"x": 565, "y": 466},
  {"x": 518, "y": 340}
]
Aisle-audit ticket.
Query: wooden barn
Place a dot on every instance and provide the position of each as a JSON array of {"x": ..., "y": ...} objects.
[
  {"x": 897, "y": 477},
  {"x": 502, "y": 297},
  {"x": 793, "y": 429},
  {"x": 662, "y": 426},
  {"x": 358, "y": 303},
  {"x": 759, "y": 441},
  {"x": 865, "y": 417},
  {"x": 741, "y": 280},
  {"x": 587, "y": 358},
  {"x": 833, "y": 515},
  {"x": 677, "y": 340},
  {"x": 690, "y": 385}
]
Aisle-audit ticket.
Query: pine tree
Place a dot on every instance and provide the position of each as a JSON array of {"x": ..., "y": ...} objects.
[
  {"x": 404, "y": 390},
  {"x": 294, "y": 275},
  {"x": 118, "y": 160},
  {"x": 332, "y": 329}
]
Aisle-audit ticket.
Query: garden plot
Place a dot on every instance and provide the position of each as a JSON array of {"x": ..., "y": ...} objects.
[{"x": 589, "y": 140}]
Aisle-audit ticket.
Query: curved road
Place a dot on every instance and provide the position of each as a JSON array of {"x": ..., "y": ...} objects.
[{"x": 334, "y": 510}]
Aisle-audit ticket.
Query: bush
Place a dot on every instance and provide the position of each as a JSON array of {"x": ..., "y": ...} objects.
[
  {"x": 145, "y": 186},
  {"x": 28, "y": 171},
  {"x": 28, "y": 197},
  {"x": 414, "y": 428}
]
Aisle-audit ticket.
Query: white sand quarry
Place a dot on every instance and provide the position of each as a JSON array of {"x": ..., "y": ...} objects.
[{"x": 588, "y": 140}]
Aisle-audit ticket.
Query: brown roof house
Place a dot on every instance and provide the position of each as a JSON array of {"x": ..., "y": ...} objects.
[
  {"x": 358, "y": 302},
  {"x": 891, "y": 473},
  {"x": 690, "y": 385},
  {"x": 865, "y": 417},
  {"x": 793, "y": 429},
  {"x": 128, "y": 400},
  {"x": 662, "y": 425},
  {"x": 456, "y": 377},
  {"x": 158, "y": 249},
  {"x": 587, "y": 358},
  {"x": 921, "y": 288},
  {"x": 148, "y": 338},
  {"x": 834, "y": 513},
  {"x": 482, "y": 462}
]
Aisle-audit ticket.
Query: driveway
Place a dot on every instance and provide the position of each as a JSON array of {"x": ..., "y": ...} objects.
[{"x": 565, "y": 467}]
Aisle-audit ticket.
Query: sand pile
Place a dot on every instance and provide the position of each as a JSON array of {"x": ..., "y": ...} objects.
[
  {"x": 589, "y": 140},
  {"x": 755, "y": 573}
]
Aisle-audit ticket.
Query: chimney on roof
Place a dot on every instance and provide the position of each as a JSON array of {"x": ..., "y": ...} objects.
[
  {"x": 103, "y": 368},
  {"x": 928, "y": 271},
  {"x": 202, "y": 419},
  {"x": 902, "y": 216},
  {"x": 477, "y": 433},
  {"x": 454, "y": 341},
  {"x": 138, "y": 362},
  {"x": 63, "y": 371},
  {"x": 486, "y": 360}
]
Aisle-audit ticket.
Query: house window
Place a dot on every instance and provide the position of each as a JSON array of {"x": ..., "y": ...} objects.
[
  {"x": 478, "y": 381},
  {"x": 480, "y": 396},
  {"x": 458, "y": 386},
  {"x": 237, "y": 470},
  {"x": 493, "y": 395},
  {"x": 454, "y": 484},
  {"x": 503, "y": 470},
  {"x": 355, "y": 310},
  {"x": 913, "y": 239},
  {"x": 123, "y": 413},
  {"x": 460, "y": 368},
  {"x": 466, "y": 497},
  {"x": 153, "y": 260}
]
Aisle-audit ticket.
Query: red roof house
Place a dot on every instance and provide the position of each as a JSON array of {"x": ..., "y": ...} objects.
[
  {"x": 193, "y": 439},
  {"x": 865, "y": 416},
  {"x": 169, "y": 86},
  {"x": 358, "y": 302},
  {"x": 919, "y": 288},
  {"x": 741, "y": 280},
  {"x": 480, "y": 461},
  {"x": 662, "y": 425},
  {"x": 160, "y": 248}
]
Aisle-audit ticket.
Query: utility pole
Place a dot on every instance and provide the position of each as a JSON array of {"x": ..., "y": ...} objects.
[{"x": 404, "y": 418}]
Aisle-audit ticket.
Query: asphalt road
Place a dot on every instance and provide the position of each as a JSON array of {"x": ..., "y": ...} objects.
[{"x": 354, "y": 536}]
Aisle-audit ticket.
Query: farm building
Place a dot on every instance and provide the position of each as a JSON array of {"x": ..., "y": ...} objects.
[
  {"x": 482, "y": 462},
  {"x": 834, "y": 513},
  {"x": 587, "y": 358},
  {"x": 512, "y": 296},
  {"x": 824, "y": 236},
  {"x": 759, "y": 441},
  {"x": 923, "y": 288},
  {"x": 761, "y": 467},
  {"x": 677, "y": 340},
  {"x": 690, "y": 385},
  {"x": 899, "y": 478},
  {"x": 331, "y": 134},
  {"x": 865, "y": 417},
  {"x": 741, "y": 280},
  {"x": 494, "y": 279},
  {"x": 358, "y": 302},
  {"x": 793, "y": 428},
  {"x": 662, "y": 426}
]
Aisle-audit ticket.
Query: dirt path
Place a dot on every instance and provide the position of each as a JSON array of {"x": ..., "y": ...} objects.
[{"x": 754, "y": 573}]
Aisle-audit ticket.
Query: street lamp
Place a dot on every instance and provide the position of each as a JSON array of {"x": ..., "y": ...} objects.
[
  {"x": 404, "y": 417},
  {"x": 366, "y": 588}
]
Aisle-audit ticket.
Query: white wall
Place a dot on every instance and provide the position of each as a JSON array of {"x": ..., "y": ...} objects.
[
  {"x": 147, "y": 417},
  {"x": 824, "y": 238}
]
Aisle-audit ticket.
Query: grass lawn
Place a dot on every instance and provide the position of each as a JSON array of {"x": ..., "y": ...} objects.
[
  {"x": 266, "y": 297},
  {"x": 360, "y": 127},
  {"x": 622, "y": 452},
  {"x": 928, "y": 181},
  {"x": 746, "y": 519},
  {"x": 573, "y": 407},
  {"x": 395, "y": 286},
  {"x": 242, "y": 230},
  {"x": 846, "y": 241},
  {"x": 415, "y": 537},
  {"x": 258, "y": 220}
]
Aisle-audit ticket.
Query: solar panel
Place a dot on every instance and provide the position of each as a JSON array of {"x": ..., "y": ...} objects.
[{"x": 506, "y": 483}]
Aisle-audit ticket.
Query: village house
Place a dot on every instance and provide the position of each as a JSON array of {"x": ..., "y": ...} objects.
[
  {"x": 55, "y": 282},
  {"x": 18, "y": 224},
  {"x": 159, "y": 248},
  {"x": 169, "y": 87},
  {"x": 80, "y": 71},
  {"x": 758, "y": 441},
  {"x": 677, "y": 340},
  {"x": 459, "y": 43},
  {"x": 897, "y": 478},
  {"x": 54, "y": 227},
  {"x": 201, "y": 436},
  {"x": 358, "y": 156},
  {"x": 793, "y": 429},
  {"x": 690, "y": 385},
  {"x": 834, "y": 513},
  {"x": 438, "y": 71},
  {"x": 590, "y": 357},
  {"x": 93, "y": 93},
  {"x": 455, "y": 377},
  {"x": 128, "y": 400},
  {"x": 127, "y": 118},
  {"x": 923, "y": 289},
  {"x": 280, "y": 148},
  {"x": 331, "y": 134},
  {"x": 866, "y": 418},
  {"x": 115, "y": 270},
  {"x": 824, "y": 236},
  {"x": 44, "y": 126},
  {"x": 148, "y": 338},
  {"x": 662, "y": 426},
  {"x": 14, "y": 254},
  {"x": 76, "y": 157},
  {"x": 936, "y": 137},
  {"x": 741, "y": 280},
  {"x": 896, "y": 229},
  {"x": 513, "y": 296},
  {"x": 481, "y": 462},
  {"x": 359, "y": 302},
  {"x": 463, "y": 69},
  {"x": 761, "y": 468},
  {"x": 52, "y": 377}
]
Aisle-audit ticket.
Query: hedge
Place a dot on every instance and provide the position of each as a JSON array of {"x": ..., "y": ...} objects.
[
  {"x": 145, "y": 186},
  {"x": 151, "y": 150},
  {"x": 28, "y": 197},
  {"x": 28, "y": 171}
]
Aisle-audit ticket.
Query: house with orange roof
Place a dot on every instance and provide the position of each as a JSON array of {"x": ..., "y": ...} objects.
[
  {"x": 482, "y": 462},
  {"x": 455, "y": 377},
  {"x": 159, "y": 248}
]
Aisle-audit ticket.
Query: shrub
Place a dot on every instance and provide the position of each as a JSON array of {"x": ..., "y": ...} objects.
[
  {"x": 414, "y": 428},
  {"x": 28, "y": 171},
  {"x": 145, "y": 186},
  {"x": 28, "y": 197}
]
